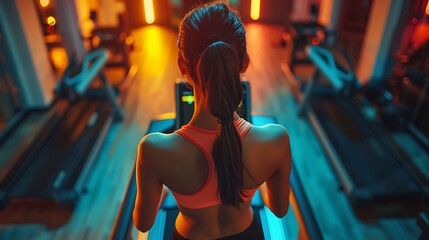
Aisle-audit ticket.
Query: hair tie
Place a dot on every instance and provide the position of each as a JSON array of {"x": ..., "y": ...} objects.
[{"x": 225, "y": 121}]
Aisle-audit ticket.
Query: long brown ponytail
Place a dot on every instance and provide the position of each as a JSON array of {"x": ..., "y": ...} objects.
[
  {"x": 212, "y": 46},
  {"x": 220, "y": 79}
]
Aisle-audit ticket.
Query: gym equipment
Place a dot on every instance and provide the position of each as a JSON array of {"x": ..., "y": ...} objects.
[
  {"x": 302, "y": 34},
  {"x": 410, "y": 87},
  {"x": 52, "y": 168},
  {"x": 117, "y": 39},
  {"x": 375, "y": 175},
  {"x": 164, "y": 223},
  {"x": 185, "y": 103},
  {"x": 423, "y": 222},
  {"x": 303, "y": 209},
  {"x": 401, "y": 101}
]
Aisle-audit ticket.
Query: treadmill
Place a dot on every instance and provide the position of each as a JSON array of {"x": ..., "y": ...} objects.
[
  {"x": 374, "y": 173},
  {"x": 50, "y": 171},
  {"x": 164, "y": 223}
]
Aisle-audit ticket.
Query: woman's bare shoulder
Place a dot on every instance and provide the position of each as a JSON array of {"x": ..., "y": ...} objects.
[
  {"x": 266, "y": 149},
  {"x": 155, "y": 140},
  {"x": 268, "y": 142},
  {"x": 159, "y": 144},
  {"x": 269, "y": 133}
]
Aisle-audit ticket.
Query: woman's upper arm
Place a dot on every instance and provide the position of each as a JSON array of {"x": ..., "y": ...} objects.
[
  {"x": 149, "y": 186},
  {"x": 278, "y": 185}
]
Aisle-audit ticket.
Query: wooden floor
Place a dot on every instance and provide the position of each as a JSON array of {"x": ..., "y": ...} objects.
[{"x": 152, "y": 93}]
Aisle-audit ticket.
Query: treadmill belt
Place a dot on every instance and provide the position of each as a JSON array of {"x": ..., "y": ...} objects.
[
  {"x": 57, "y": 166},
  {"x": 28, "y": 136},
  {"x": 373, "y": 168}
]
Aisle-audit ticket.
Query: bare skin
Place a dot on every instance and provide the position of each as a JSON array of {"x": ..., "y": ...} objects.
[{"x": 172, "y": 161}]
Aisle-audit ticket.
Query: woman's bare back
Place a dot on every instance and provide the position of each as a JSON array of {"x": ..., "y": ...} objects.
[{"x": 183, "y": 168}]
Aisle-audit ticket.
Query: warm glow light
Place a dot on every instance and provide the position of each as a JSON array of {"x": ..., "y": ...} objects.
[
  {"x": 51, "y": 21},
  {"x": 148, "y": 10},
  {"x": 427, "y": 8},
  {"x": 155, "y": 52},
  {"x": 255, "y": 9},
  {"x": 421, "y": 34},
  {"x": 44, "y": 3},
  {"x": 129, "y": 40},
  {"x": 59, "y": 59}
]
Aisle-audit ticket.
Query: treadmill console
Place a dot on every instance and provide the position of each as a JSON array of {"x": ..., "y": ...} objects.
[{"x": 185, "y": 103}]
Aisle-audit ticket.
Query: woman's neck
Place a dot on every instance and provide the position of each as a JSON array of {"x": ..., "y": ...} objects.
[{"x": 202, "y": 117}]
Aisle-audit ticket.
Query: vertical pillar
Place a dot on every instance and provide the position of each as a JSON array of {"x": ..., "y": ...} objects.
[
  {"x": 28, "y": 52},
  {"x": 68, "y": 25},
  {"x": 163, "y": 12},
  {"x": 329, "y": 11},
  {"x": 135, "y": 11},
  {"x": 83, "y": 9},
  {"x": 300, "y": 11},
  {"x": 382, "y": 23}
]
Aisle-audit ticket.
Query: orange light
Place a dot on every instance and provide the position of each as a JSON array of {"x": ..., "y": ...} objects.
[
  {"x": 44, "y": 3},
  {"x": 148, "y": 10},
  {"x": 255, "y": 6},
  {"x": 51, "y": 21},
  {"x": 58, "y": 56},
  {"x": 427, "y": 8},
  {"x": 129, "y": 40},
  {"x": 315, "y": 41}
]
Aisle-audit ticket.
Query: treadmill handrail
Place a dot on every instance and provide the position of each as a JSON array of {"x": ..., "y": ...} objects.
[
  {"x": 311, "y": 227},
  {"x": 92, "y": 63},
  {"x": 336, "y": 76},
  {"x": 91, "y": 67},
  {"x": 124, "y": 218}
]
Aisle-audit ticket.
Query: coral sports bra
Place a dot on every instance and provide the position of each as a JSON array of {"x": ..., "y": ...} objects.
[{"x": 208, "y": 196}]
